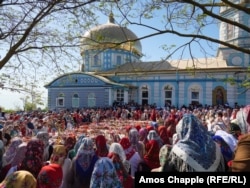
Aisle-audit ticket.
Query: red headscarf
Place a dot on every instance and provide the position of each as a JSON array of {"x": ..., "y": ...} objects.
[
  {"x": 50, "y": 176},
  {"x": 101, "y": 146},
  {"x": 128, "y": 149},
  {"x": 162, "y": 130},
  {"x": 151, "y": 158}
]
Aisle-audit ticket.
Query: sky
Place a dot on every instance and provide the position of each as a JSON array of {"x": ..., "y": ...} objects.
[{"x": 151, "y": 48}]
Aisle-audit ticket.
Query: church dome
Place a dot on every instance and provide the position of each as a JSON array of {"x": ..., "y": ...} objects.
[{"x": 110, "y": 36}]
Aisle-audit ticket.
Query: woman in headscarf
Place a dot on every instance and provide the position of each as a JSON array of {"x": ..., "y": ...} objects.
[
  {"x": 19, "y": 179},
  {"x": 102, "y": 149},
  {"x": 235, "y": 130},
  {"x": 33, "y": 160},
  {"x": 151, "y": 157},
  {"x": 135, "y": 142},
  {"x": 48, "y": 149},
  {"x": 241, "y": 160},
  {"x": 195, "y": 151},
  {"x": 163, "y": 157},
  {"x": 153, "y": 135},
  {"x": 50, "y": 176},
  {"x": 104, "y": 175},
  {"x": 59, "y": 156},
  {"x": 227, "y": 144},
  {"x": 131, "y": 155},
  {"x": 122, "y": 166},
  {"x": 72, "y": 152},
  {"x": 162, "y": 131},
  {"x": 69, "y": 143},
  {"x": 19, "y": 156},
  {"x": 9, "y": 155},
  {"x": 83, "y": 164}
]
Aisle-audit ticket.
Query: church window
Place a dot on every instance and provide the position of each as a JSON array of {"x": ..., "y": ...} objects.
[
  {"x": 168, "y": 91},
  {"x": 120, "y": 95},
  {"x": 144, "y": 95},
  {"x": 195, "y": 95},
  {"x": 75, "y": 101},
  {"x": 91, "y": 100},
  {"x": 118, "y": 60},
  {"x": 60, "y": 100}
]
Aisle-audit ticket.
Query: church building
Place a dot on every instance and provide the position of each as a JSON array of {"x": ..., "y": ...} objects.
[{"x": 112, "y": 72}]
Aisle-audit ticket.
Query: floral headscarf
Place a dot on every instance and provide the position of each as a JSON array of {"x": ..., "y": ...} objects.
[
  {"x": 101, "y": 146},
  {"x": 10, "y": 153},
  {"x": 19, "y": 179},
  {"x": 128, "y": 149},
  {"x": 164, "y": 153},
  {"x": 44, "y": 137},
  {"x": 58, "y": 155},
  {"x": 70, "y": 142},
  {"x": 50, "y": 176},
  {"x": 85, "y": 159},
  {"x": 104, "y": 175},
  {"x": 33, "y": 160},
  {"x": 195, "y": 150},
  {"x": 20, "y": 154}
]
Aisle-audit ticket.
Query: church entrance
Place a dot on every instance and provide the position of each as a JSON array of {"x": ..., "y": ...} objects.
[{"x": 219, "y": 96}]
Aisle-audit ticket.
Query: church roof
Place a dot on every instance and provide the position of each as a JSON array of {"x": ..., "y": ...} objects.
[
  {"x": 173, "y": 65},
  {"x": 111, "y": 35},
  {"x": 68, "y": 79}
]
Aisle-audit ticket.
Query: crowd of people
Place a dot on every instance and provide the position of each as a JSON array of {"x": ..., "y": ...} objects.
[{"x": 106, "y": 147}]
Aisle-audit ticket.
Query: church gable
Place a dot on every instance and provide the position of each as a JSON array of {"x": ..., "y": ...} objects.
[{"x": 77, "y": 79}]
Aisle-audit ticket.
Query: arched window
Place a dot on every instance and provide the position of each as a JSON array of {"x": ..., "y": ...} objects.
[
  {"x": 75, "y": 101},
  {"x": 144, "y": 95},
  {"x": 60, "y": 100},
  {"x": 91, "y": 100},
  {"x": 168, "y": 94}
]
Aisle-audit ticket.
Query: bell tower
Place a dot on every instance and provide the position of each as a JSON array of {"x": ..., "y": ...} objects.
[{"x": 233, "y": 34}]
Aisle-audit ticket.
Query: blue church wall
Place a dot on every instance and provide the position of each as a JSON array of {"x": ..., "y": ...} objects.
[{"x": 101, "y": 95}]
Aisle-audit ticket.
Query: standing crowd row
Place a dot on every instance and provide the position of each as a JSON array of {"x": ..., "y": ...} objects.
[{"x": 96, "y": 148}]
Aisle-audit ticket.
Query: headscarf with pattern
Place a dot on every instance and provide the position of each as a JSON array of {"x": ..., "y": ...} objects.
[
  {"x": 195, "y": 150},
  {"x": 58, "y": 155},
  {"x": 33, "y": 160},
  {"x": 50, "y": 176},
  {"x": 127, "y": 147},
  {"x": 10, "y": 153},
  {"x": 20, "y": 154},
  {"x": 44, "y": 137},
  {"x": 227, "y": 143},
  {"x": 85, "y": 159},
  {"x": 243, "y": 119},
  {"x": 101, "y": 146},
  {"x": 70, "y": 142},
  {"x": 19, "y": 179},
  {"x": 104, "y": 175}
]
